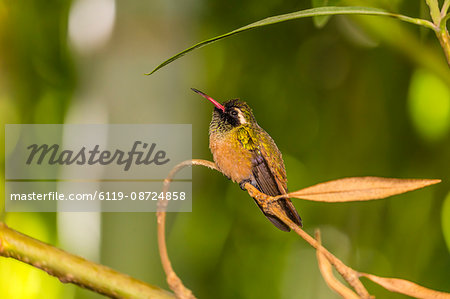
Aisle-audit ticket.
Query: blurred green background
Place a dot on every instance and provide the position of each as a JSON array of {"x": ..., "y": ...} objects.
[{"x": 361, "y": 96}]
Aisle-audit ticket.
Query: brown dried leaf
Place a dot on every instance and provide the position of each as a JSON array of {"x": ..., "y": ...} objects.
[
  {"x": 360, "y": 188},
  {"x": 406, "y": 287},
  {"x": 327, "y": 274}
]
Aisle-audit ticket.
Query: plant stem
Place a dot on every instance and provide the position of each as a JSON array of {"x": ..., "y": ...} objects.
[
  {"x": 441, "y": 30},
  {"x": 273, "y": 208},
  {"x": 69, "y": 268},
  {"x": 174, "y": 282},
  {"x": 440, "y": 19},
  {"x": 444, "y": 39}
]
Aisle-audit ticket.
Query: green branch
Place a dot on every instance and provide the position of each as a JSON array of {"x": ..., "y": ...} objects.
[
  {"x": 443, "y": 25},
  {"x": 440, "y": 18},
  {"x": 69, "y": 268}
]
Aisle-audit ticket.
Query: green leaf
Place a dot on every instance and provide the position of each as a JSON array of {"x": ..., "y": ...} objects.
[
  {"x": 445, "y": 7},
  {"x": 318, "y": 11},
  {"x": 434, "y": 10},
  {"x": 321, "y": 21}
]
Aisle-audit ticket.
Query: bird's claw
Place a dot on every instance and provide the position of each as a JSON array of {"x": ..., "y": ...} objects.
[{"x": 242, "y": 184}]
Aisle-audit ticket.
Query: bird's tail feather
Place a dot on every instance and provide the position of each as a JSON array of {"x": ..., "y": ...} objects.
[{"x": 289, "y": 210}]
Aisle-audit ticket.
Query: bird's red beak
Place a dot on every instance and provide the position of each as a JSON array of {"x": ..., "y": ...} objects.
[{"x": 217, "y": 104}]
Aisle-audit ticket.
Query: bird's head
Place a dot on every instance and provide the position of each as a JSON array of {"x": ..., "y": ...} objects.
[{"x": 230, "y": 114}]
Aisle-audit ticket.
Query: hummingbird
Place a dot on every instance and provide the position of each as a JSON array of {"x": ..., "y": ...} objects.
[{"x": 245, "y": 153}]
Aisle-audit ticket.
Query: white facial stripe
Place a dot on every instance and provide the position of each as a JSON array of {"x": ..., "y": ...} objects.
[{"x": 241, "y": 117}]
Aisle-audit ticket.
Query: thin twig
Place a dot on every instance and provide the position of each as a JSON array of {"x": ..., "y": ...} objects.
[
  {"x": 272, "y": 207},
  {"x": 442, "y": 32},
  {"x": 350, "y": 275},
  {"x": 70, "y": 268},
  {"x": 174, "y": 282},
  {"x": 327, "y": 273},
  {"x": 444, "y": 39},
  {"x": 439, "y": 18}
]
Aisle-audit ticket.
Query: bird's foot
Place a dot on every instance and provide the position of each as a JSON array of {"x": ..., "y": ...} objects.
[{"x": 242, "y": 184}]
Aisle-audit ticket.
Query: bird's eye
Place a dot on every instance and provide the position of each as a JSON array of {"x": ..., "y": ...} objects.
[{"x": 234, "y": 113}]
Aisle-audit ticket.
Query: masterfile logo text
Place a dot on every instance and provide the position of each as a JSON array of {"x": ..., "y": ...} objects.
[{"x": 95, "y": 167}]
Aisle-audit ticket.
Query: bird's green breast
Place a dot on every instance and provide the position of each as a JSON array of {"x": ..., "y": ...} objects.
[{"x": 233, "y": 152}]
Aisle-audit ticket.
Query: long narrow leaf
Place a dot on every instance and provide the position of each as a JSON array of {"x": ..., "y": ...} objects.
[
  {"x": 406, "y": 287},
  {"x": 360, "y": 188},
  {"x": 318, "y": 11}
]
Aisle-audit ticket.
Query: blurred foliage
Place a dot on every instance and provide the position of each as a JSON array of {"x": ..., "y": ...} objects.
[
  {"x": 429, "y": 102},
  {"x": 446, "y": 220},
  {"x": 361, "y": 96}
]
